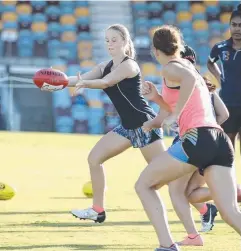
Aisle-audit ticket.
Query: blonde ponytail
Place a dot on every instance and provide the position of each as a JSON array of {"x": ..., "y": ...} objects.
[{"x": 130, "y": 50}]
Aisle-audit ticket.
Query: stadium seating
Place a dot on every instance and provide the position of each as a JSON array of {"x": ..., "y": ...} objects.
[
  {"x": 61, "y": 26},
  {"x": 60, "y": 31},
  {"x": 183, "y": 16},
  {"x": 202, "y": 23},
  {"x": 225, "y": 17},
  {"x": 54, "y": 26},
  {"x": 182, "y": 6},
  {"x": 169, "y": 17},
  {"x": 38, "y": 6},
  {"x": 197, "y": 8}
]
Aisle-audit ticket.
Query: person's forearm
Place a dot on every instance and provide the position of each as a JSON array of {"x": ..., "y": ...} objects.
[
  {"x": 90, "y": 75},
  {"x": 72, "y": 81},
  {"x": 158, "y": 120},
  {"x": 214, "y": 69},
  {"x": 159, "y": 101},
  {"x": 95, "y": 84}
]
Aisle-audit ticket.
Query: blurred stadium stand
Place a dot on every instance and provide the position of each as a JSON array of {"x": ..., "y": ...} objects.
[{"x": 69, "y": 35}]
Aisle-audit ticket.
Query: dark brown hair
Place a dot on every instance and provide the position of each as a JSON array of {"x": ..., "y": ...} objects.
[
  {"x": 168, "y": 39},
  {"x": 236, "y": 13},
  {"x": 123, "y": 31}
]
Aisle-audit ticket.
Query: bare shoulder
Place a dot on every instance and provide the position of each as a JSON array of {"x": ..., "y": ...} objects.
[
  {"x": 171, "y": 70},
  {"x": 172, "y": 67},
  {"x": 175, "y": 71},
  {"x": 131, "y": 67}
]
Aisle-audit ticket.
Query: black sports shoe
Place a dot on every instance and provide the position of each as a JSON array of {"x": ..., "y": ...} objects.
[
  {"x": 89, "y": 214},
  {"x": 207, "y": 219}
]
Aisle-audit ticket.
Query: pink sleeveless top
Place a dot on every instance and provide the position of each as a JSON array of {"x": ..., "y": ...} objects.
[
  {"x": 198, "y": 111},
  {"x": 170, "y": 95}
]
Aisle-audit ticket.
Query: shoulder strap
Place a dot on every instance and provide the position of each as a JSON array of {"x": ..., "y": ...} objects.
[
  {"x": 107, "y": 68},
  {"x": 125, "y": 58},
  {"x": 173, "y": 88}
]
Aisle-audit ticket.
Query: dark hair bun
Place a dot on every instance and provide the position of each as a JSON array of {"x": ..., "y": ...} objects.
[
  {"x": 189, "y": 54},
  {"x": 171, "y": 49},
  {"x": 239, "y": 7}
]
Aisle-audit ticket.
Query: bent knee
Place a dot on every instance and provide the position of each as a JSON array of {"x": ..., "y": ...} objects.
[
  {"x": 94, "y": 160},
  {"x": 139, "y": 186},
  {"x": 192, "y": 187},
  {"x": 189, "y": 191}
]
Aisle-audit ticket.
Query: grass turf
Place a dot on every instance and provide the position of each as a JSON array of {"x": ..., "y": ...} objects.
[{"x": 48, "y": 171}]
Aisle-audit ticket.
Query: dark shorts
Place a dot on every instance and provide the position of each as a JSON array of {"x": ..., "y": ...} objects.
[
  {"x": 233, "y": 123},
  {"x": 138, "y": 137},
  {"x": 203, "y": 147}
]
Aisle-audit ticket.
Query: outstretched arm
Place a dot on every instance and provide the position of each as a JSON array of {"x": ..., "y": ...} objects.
[
  {"x": 127, "y": 69},
  {"x": 95, "y": 73}
]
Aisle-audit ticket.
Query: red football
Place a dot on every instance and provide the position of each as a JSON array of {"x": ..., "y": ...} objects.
[{"x": 50, "y": 79}]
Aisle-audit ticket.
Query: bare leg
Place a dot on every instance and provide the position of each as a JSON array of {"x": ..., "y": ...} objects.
[
  {"x": 109, "y": 146},
  {"x": 177, "y": 191},
  {"x": 177, "y": 188},
  {"x": 197, "y": 194},
  {"x": 222, "y": 184},
  {"x": 151, "y": 151},
  {"x": 198, "y": 206},
  {"x": 159, "y": 172}
]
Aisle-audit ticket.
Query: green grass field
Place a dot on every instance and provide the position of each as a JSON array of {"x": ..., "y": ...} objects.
[{"x": 48, "y": 171}]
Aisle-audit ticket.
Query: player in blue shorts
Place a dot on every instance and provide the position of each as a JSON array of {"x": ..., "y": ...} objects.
[
  {"x": 181, "y": 189},
  {"x": 203, "y": 145}
]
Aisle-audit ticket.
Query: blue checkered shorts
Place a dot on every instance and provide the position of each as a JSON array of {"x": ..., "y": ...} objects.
[{"x": 138, "y": 137}]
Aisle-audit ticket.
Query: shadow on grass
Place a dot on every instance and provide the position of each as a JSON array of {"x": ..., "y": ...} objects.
[
  {"x": 69, "y": 198},
  {"x": 42, "y": 247},
  {"x": 34, "y": 212},
  {"x": 85, "y": 224},
  {"x": 76, "y": 247},
  {"x": 76, "y": 230},
  {"x": 68, "y": 212}
]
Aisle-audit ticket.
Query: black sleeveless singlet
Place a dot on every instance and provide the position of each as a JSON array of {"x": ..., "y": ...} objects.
[{"x": 128, "y": 101}]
